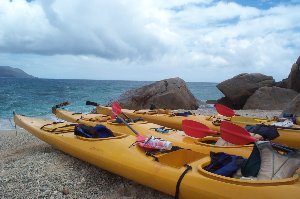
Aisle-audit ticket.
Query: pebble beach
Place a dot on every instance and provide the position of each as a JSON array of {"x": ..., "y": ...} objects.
[{"x": 31, "y": 168}]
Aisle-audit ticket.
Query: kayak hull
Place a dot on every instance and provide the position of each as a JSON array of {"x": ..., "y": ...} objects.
[{"x": 115, "y": 156}]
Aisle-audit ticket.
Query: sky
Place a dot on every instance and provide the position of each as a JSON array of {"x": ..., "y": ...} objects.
[{"x": 196, "y": 40}]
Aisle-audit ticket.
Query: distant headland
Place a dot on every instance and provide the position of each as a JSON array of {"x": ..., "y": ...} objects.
[{"x": 10, "y": 72}]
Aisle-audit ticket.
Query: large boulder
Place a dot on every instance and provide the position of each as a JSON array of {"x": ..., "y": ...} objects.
[
  {"x": 270, "y": 98},
  {"x": 239, "y": 88},
  {"x": 169, "y": 93},
  {"x": 282, "y": 84},
  {"x": 294, "y": 106},
  {"x": 225, "y": 101},
  {"x": 293, "y": 81}
]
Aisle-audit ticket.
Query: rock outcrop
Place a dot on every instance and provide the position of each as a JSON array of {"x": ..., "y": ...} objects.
[
  {"x": 270, "y": 98},
  {"x": 293, "y": 81},
  {"x": 170, "y": 93},
  {"x": 239, "y": 88},
  {"x": 282, "y": 84},
  {"x": 294, "y": 106}
]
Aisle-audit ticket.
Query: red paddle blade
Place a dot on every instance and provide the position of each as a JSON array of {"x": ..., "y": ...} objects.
[
  {"x": 224, "y": 110},
  {"x": 196, "y": 129},
  {"x": 116, "y": 109},
  {"x": 235, "y": 134}
]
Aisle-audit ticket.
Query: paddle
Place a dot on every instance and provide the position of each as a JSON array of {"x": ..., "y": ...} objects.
[
  {"x": 235, "y": 134},
  {"x": 59, "y": 106},
  {"x": 196, "y": 129},
  {"x": 228, "y": 112},
  {"x": 91, "y": 103},
  {"x": 115, "y": 105},
  {"x": 118, "y": 106},
  {"x": 151, "y": 142},
  {"x": 224, "y": 110},
  {"x": 116, "y": 111},
  {"x": 229, "y": 132}
]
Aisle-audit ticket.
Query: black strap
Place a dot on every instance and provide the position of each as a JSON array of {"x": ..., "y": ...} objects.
[
  {"x": 57, "y": 128},
  {"x": 188, "y": 168},
  {"x": 50, "y": 124},
  {"x": 77, "y": 113},
  {"x": 152, "y": 155}
]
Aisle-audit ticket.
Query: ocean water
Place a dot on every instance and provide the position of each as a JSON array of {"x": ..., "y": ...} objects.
[{"x": 35, "y": 97}]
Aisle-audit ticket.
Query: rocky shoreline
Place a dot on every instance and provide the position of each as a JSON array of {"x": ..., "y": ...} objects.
[{"x": 30, "y": 168}]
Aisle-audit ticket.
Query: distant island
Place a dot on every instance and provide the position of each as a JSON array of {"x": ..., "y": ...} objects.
[{"x": 10, "y": 72}]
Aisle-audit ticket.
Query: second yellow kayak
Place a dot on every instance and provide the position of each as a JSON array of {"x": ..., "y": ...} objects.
[
  {"x": 178, "y": 138},
  {"x": 289, "y": 137}
]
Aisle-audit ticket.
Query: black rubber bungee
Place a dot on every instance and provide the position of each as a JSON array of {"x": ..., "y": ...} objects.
[{"x": 188, "y": 168}]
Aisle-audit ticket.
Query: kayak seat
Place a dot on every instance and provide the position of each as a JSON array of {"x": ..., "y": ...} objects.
[
  {"x": 203, "y": 163},
  {"x": 275, "y": 165},
  {"x": 222, "y": 142},
  {"x": 224, "y": 164},
  {"x": 208, "y": 140},
  {"x": 98, "y": 131}
]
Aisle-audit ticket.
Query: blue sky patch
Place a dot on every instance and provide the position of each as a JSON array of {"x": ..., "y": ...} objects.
[{"x": 263, "y": 4}]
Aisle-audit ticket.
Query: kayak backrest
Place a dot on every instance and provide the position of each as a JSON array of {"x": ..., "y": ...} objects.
[
  {"x": 180, "y": 158},
  {"x": 283, "y": 166}
]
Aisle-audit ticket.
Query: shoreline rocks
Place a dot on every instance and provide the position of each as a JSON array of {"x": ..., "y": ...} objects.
[
  {"x": 294, "y": 106},
  {"x": 169, "y": 93},
  {"x": 293, "y": 81},
  {"x": 239, "y": 88},
  {"x": 270, "y": 98},
  {"x": 258, "y": 91}
]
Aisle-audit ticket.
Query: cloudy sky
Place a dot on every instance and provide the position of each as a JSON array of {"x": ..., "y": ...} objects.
[{"x": 197, "y": 40}]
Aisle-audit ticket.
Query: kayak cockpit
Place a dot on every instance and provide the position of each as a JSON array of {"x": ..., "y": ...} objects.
[
  {"x": 63, "y": 128},
  {"x": 213, "y": 141},
  {"x": 116, "y": 136},
  {"x": 206, "y": 161},
  {"x": 269, "y": 164}
]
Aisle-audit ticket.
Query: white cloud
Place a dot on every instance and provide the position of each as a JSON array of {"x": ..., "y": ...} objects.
[
  {"x": 103, "y": 28},
  {"x": 148, "y": 39}
]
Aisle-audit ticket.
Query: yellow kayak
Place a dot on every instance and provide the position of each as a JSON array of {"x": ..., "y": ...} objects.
[
  {"x": 178, "y": 138},
  {"x": 114, "y": 155},
  {"x": 289, "y": 137}
]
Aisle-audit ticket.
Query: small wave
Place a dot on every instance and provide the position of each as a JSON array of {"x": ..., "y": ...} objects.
[{"x": 9, "y": 124}]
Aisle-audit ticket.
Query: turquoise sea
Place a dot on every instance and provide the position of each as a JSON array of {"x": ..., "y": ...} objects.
[{"x": 35, "y": 97}]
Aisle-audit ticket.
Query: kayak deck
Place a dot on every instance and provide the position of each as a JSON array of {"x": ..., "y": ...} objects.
[{"x": 289, "y": 137}]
